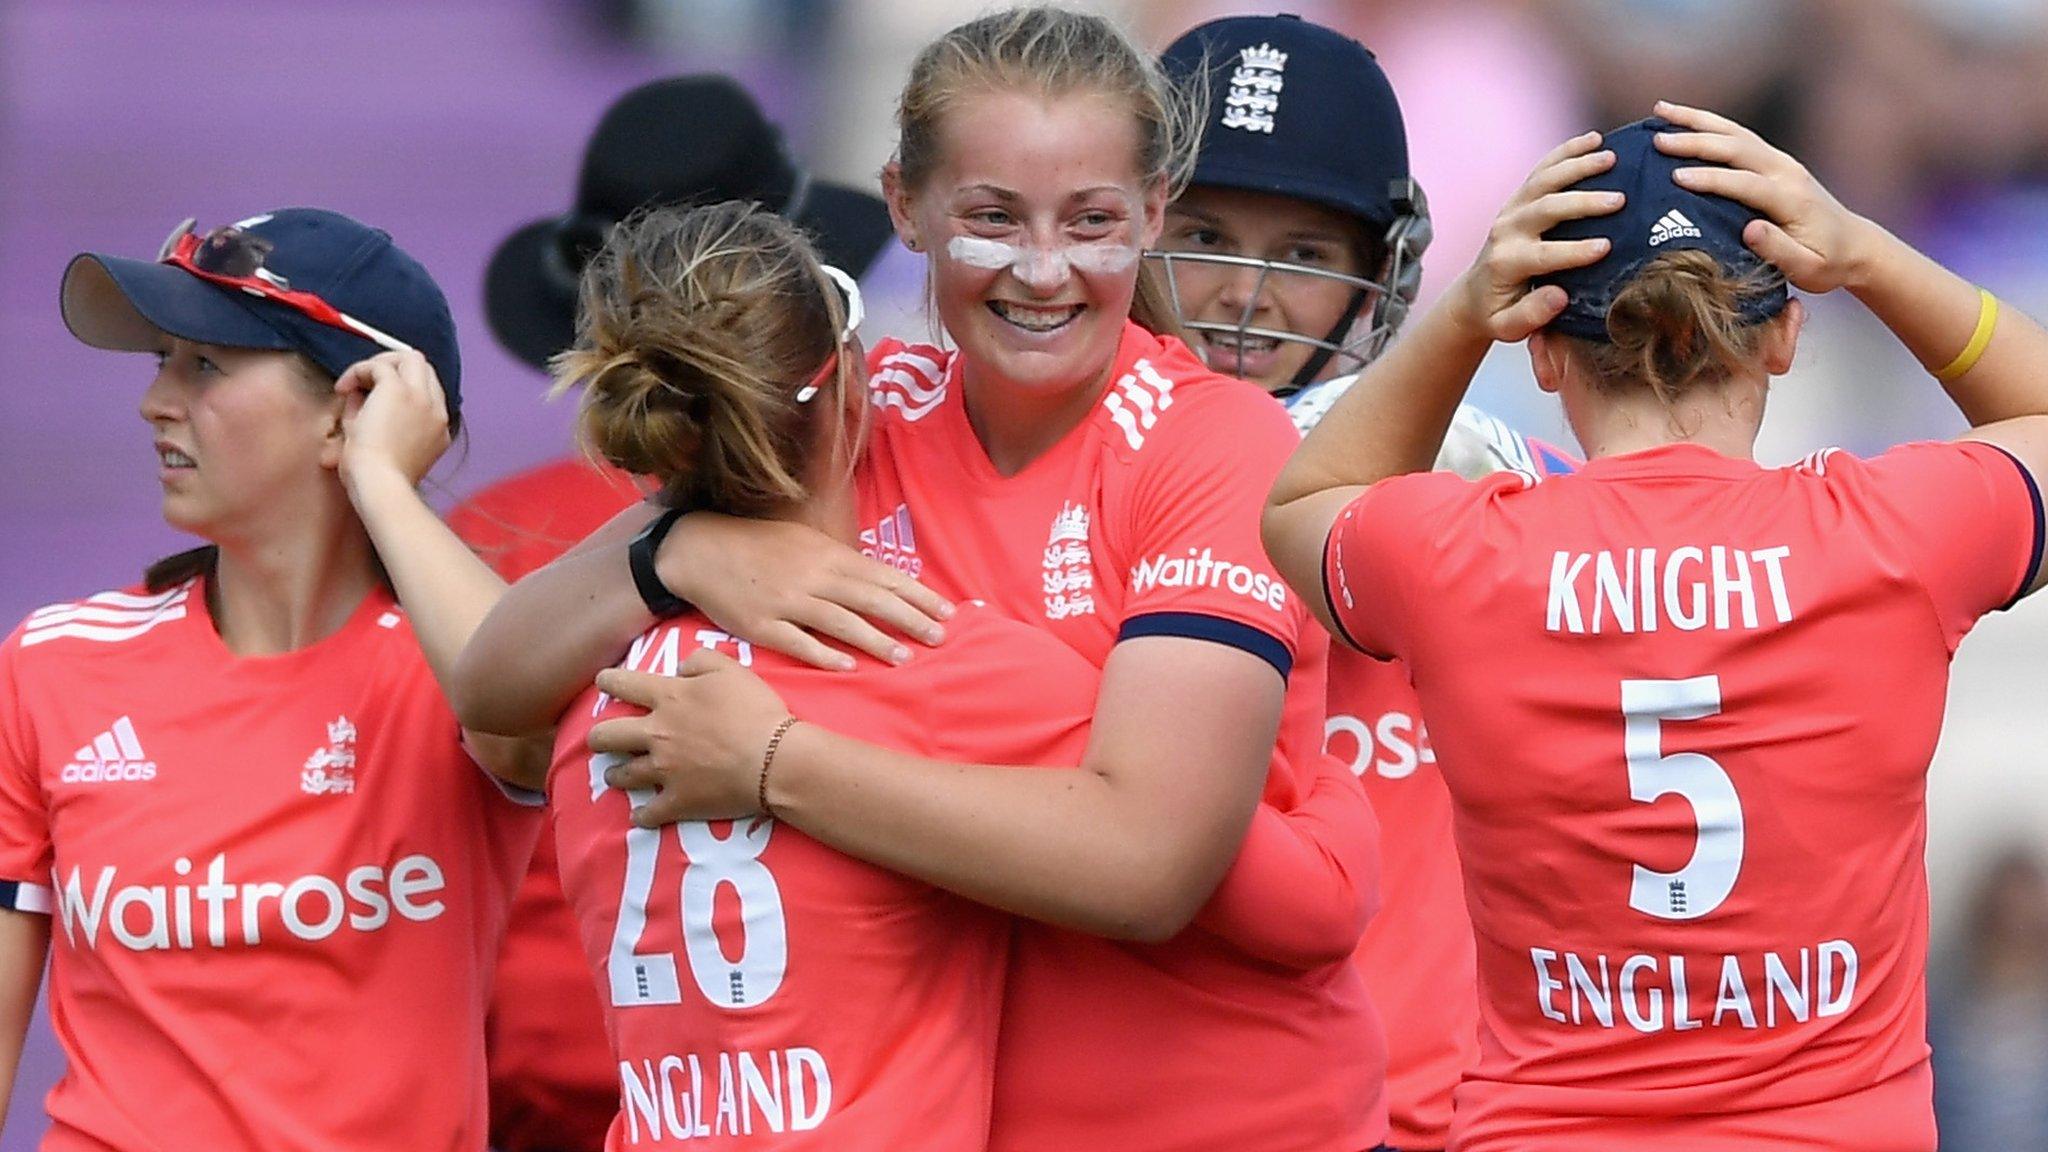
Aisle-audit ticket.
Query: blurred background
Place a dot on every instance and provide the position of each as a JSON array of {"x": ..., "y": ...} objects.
[{"x": 451, "y": 122}]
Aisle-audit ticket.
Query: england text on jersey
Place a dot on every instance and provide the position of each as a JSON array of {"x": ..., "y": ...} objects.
[{"x": 1657, "y": 993}]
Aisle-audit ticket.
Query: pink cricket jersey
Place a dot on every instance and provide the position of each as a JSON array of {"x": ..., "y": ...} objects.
[
  {"x": 1417, "y": 955},
  {"x": 1143, "y": 521},
  {"x": 554, "y": 1087},
  {"x": 1685, "y": 707},
  {"x": 279, "y": 882},
  {"x": 764, "y": 991}
]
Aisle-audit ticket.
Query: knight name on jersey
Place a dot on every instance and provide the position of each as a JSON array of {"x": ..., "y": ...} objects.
[
  {"x": 159, "y": 917},
  {"x": 684, "y": 1096},
  {"x": 1687, "y": 588},
  {"x": 1203, "y": 570},
  {"x": 1668, "y": 993}
]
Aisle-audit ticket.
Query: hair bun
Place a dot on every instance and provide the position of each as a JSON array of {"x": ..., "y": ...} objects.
[
  {"x": 691, "y": 328},
  {"x": 1678, "y": 323}
]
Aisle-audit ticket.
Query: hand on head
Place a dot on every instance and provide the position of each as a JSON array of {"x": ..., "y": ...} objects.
[
  {"x": 394, "y": 415},
  {"x": 1495, "y": 293},
  {"x": 1818, "y": 244}
]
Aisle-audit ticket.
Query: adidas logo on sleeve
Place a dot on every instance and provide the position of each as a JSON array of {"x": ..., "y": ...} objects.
[
  {"x": 113, "y": 756},
  {"x": 1671, "y": 226}
]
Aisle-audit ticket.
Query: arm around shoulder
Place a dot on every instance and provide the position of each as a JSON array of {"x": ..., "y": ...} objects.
[{"x": 1129, "y": 845}]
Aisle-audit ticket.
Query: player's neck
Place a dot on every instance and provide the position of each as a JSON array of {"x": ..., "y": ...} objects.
[
  {"x": 1725, "y": 420},
  {"x": 833, "y": 507},
  {"x": 1017, "y": 425},
  {"x": 284, "y": 593}
]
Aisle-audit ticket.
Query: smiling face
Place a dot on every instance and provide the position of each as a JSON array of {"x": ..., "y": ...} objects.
[
  {"x": 1261, "y": 226},
  {"x": 1033, "y": 217},
  {"x": 239, "y": 434}
]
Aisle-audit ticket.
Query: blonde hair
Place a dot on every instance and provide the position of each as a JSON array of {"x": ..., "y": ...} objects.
[
  {"x": 1055, "y": 51},
  {"x": 695, "y": 332},
  {"x": 1677, "y": 325}
]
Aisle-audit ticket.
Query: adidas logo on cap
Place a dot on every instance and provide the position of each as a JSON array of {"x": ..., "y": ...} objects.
[
  {"x": 1671, "y": 226},
  {"x": 113, "y": 756}
]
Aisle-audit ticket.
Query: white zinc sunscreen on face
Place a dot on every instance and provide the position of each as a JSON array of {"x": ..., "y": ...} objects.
[{"x": 1043, "y": 268}]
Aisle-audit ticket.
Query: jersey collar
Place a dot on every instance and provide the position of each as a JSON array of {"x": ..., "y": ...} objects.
[{"x": 1673, "y": 460}]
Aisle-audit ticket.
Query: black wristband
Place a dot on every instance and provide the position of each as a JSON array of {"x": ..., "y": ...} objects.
[{"x": 640, "y": 558}]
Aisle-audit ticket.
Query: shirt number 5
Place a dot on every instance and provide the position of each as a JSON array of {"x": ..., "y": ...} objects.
[{"x": 1705, "y": 881}]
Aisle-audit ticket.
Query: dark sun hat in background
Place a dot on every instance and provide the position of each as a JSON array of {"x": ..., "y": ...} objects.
[{"x": 684, "y": 140}]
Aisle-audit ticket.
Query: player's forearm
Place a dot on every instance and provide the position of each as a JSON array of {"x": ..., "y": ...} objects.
[
  {"x": 1305, "y": 883},
  {"x": 24, "y": 943},
  {"x": 1064, "y": 846},
  {"x": 1934, "y": 313},
  {"x": 1392, "y": 421},
  {"x": 545, "y": 640},
  {"x": 444, "y": 588}
]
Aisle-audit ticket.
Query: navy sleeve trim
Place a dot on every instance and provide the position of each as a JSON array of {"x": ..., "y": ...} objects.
[
  {"x": 22, "y": 896},
  {"x": 2040, "y": 529},
  {"x": 1329, "y": 601},
  {"x": 1216, "y": 630}
]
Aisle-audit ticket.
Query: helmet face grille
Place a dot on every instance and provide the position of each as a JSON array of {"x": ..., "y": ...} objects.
[{"x": 1379, "y": 307}]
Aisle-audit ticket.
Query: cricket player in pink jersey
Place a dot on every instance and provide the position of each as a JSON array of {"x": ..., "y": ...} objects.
[
  {"x": 826, "y": 1002},
  {"x": 1690, "y": 784},
  {"x": 1292, "y": 258},
  {"x": 278, "y": 875},
  {"x": 1079, "y": 472}
]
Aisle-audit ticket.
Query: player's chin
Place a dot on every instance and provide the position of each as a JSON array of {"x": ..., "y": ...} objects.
[
  {"x": 181, "y": 511},
  {"x": 1071, "y": 357},
  {"x": 1283, "y": 369},
  {"x": 1271, "y": 364}
]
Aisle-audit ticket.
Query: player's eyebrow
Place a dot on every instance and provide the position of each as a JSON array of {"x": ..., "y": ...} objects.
[
  {"x": 997, "y": 191},
  {"x": 1011, "y": 195},
  {"x": 1116, "y": 190},
  {"x": 1322, "y": 235}
]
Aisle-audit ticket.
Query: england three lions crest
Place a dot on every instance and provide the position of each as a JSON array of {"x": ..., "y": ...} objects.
[
  {"x": 331, "y": 770},
  {"x": 1069, "y": 567},
  {"x": 1255, "y": 86}
]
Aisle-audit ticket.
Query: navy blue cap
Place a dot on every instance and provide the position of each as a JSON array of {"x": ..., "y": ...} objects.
[
  {"x": 1659, "y": 217},
  {"x": 127, "y": 305},
  {"x": 1296, "y": 110}
]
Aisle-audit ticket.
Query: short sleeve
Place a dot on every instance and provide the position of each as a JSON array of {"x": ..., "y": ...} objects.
[
  {"x": 1198, "y": 568},
  {"x": 25, "y": 851},
  {"x": 1969, "y": 517},
  {"x": 1371, "y": 557}
]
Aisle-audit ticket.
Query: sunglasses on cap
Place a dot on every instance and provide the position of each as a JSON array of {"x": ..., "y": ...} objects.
[
  {"x": 855, "y": 312},
  {"x": 233, "y": 257}
]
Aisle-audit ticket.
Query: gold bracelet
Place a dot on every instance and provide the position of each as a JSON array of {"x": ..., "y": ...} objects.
[
  {"x": 768, "y": 761},
  {"x": 1987, "y": 319}
]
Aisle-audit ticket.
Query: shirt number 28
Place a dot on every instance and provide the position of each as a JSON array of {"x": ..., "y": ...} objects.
[{"x": 639, "y": 978}]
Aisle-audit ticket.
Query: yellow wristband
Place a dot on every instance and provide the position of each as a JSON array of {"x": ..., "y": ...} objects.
[{"x": 1987, "y": 319}]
